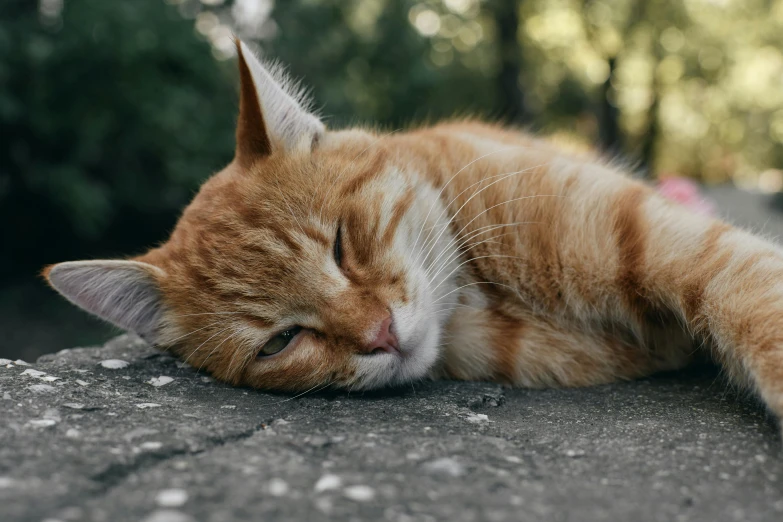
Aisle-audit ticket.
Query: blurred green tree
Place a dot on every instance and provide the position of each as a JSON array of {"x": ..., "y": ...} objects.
[{"x": 111, "y": 113}]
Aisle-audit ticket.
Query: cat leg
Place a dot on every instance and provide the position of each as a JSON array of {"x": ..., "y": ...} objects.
[{"x": 723, "y": 284}]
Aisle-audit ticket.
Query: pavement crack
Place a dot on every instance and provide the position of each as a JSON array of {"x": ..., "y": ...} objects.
[{"x": 117, "y": 472}]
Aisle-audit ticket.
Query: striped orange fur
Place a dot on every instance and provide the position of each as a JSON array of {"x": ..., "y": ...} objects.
[{"x": 464, "y": 250}]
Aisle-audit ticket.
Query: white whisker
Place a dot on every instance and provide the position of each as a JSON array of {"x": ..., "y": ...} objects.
[{"x": 437, "y": 197}]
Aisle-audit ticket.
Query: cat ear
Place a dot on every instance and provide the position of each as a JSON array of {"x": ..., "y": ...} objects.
[
  {"x": 272, "y": 110},
  {"x": 124, "y": 293}
]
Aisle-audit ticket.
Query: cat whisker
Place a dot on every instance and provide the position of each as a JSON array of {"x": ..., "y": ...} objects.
[
  {"x": 503, "y": 175},
  {"x": 455, "y": 257},
  {"x": 476, "y": 193},
  {"x": 205, "y": 313},
  {"x": 192, "y": 332},
  {"x": 202, "y": 344},
  {"x": 234, "y": 334},
  {"x": 460, "y": 251},
  {"x": 463, "y": 305},
  {"x": 475, "y": 259},
  {"x": 482, "y": 189},
  {"x": 514, "y": 290},
  {"x": 298, "y": 395},
  {"x": 481, "y": 230},
  {"x": 504, "y": 203},
  {"x": 236, "y": 352},
  {"x": 437, "y": 198}
]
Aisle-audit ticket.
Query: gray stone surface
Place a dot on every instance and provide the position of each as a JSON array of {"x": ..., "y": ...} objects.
[
  {"x": 86, "y": 439},
  {"x": 104, "y": 443}
]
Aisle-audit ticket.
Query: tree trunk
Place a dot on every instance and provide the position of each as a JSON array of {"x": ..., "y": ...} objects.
[{"x": 512, "y": 98}]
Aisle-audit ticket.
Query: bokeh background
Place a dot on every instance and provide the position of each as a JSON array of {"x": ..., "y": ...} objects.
[{"x": 113, "y": 112}]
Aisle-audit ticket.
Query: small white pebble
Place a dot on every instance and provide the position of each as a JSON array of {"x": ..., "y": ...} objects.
[
  {"x": 6, "y": 482},
  {"x": 82, "y": 383},
  {"x": 327, "y": 483},
  {"x": 359, "y": 493},
  {"x": 73, "y": 433},
  {"x": 50, "y": 378},
  {"x": 33, "y": 373},
  {"x": 228, "y": 407},
  {"x": 512, "y": 459},
  {"x": 73, "y": 405},
  {"x": 278, "y": 487},
  {"x": 207, "y": 379},
  {"x": 114, "y": 364},
  {"x": 7, "y": 396},
  {"x": 444, "y": 466},
  {"x": 41, "y": 388},
  {"x": 5, "y": 362},
  {"x": 42, "y": 423},
  {"x": 171, "y": 497},
  {"x": 574, "y": 453},
  {"x": 151, "y": 445},
  {"x": 146, "y": 405},
  {"x": 20, "y": 362},
  {"x": 477, "y": 418},
  {"x": 160, "y": 381}
]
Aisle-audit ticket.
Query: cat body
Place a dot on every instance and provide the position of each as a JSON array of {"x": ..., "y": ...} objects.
[{"x": 361, "y": 259}]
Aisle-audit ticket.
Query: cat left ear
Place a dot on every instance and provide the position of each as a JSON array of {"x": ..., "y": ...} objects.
[
  {"x": 272, "y": 111},
  {"x": 124, "y": 293}
]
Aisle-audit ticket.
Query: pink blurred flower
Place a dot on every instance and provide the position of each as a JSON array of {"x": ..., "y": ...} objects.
[{"x": 687, "y": 193}]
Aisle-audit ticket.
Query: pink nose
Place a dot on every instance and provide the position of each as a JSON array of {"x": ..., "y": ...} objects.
[{"x": 385, "y": 341}]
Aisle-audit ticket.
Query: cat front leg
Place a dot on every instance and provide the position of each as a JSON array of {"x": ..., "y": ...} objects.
[{"x": 724, "y": 284}]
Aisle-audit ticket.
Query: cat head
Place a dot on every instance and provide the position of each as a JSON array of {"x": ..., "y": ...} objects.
[{"x": 310, "y": 260}]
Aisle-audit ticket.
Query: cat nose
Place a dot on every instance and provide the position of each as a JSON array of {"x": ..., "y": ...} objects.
[{"x": 385, "y": 341}]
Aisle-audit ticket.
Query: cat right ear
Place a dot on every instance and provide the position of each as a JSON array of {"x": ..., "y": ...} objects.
[
  {"x": 272, "y": 111},
  {"x": 124, "y": 293}
]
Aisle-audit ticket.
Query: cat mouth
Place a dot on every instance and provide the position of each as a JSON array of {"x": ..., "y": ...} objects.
[{"x": 389, "y": 349}]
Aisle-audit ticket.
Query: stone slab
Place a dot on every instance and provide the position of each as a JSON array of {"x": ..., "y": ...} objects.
[{"x": 103, "y": 443}]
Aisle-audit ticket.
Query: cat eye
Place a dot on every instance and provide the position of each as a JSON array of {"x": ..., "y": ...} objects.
[
  {"x": 338, "y": 247},
  {"x": 277, "y": 343}
]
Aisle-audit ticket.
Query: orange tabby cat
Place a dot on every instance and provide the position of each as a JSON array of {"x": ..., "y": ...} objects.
[{"x": 357, "y": 259}]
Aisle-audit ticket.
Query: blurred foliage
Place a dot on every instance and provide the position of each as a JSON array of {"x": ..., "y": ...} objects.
[{"x": 111, "y": 113}]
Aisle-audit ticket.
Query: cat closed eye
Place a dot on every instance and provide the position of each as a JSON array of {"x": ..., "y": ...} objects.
[
  {"x": 338, "y": 247},
  {"x": 279, "y": 342}
]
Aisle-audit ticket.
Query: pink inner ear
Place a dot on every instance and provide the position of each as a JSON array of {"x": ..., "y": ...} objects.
[
  {"x": 124, "y": 293},
  {"x": 252, "y": 135}
]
